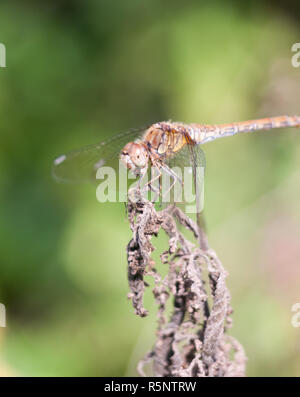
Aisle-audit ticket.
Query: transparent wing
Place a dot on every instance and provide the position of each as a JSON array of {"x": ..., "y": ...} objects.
[
  {"x": 81, "y": 165},
  {"x": 188, "y": 155},
  {"x": 191, "y": 161},
  {"x": 189, "y": 165}
]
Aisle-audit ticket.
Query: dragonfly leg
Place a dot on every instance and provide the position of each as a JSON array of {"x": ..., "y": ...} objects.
[
  {"x": 149, "y": 184},
  {"x": 175, "y": 178},
  {"x": 157, "y": 190}
]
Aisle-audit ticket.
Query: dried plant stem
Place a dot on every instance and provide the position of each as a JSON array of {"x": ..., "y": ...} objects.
[{"x": 193, "y": 342}]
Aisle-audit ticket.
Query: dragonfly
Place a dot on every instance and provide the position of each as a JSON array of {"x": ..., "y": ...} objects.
[
  {"x": 161, "y": 145},
  {"x": 155, "y": 145}
]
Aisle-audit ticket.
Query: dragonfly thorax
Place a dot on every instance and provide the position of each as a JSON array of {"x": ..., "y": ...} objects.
[{"x": 165, "y": 138}]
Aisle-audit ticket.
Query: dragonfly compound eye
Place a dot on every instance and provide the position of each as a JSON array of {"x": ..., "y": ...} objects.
[{"x": 134, "y": 156}]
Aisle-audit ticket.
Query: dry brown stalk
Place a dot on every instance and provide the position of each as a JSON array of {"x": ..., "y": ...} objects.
[{"x": 193, "y": 342}]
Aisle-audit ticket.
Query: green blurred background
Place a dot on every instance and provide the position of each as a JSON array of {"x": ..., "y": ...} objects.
[{"x": 79, "y": 72}]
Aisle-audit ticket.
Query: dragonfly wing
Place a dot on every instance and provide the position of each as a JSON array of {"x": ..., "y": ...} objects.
[
  {"x": 198, "y": 163},
  {"x": 82, "y": 164},
  {"x": 191, "y": 162}
]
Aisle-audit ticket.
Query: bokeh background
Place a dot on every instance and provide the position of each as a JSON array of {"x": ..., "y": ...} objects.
[{"x": 77, "y": 73}]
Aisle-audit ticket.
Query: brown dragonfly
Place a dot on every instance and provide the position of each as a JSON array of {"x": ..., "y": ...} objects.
[
  {"x": 161, "y": 145},
  {"x": 156, "y": 145}
]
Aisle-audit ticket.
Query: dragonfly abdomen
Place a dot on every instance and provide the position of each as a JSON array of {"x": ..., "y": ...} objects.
[{"x": 203, "y": 133}]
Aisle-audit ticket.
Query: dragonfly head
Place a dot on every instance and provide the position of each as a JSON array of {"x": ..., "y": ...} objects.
[{"x": 135, "y": 157}]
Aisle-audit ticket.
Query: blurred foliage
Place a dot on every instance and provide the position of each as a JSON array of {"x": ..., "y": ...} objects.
[{"x": 80, "y": 71}]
